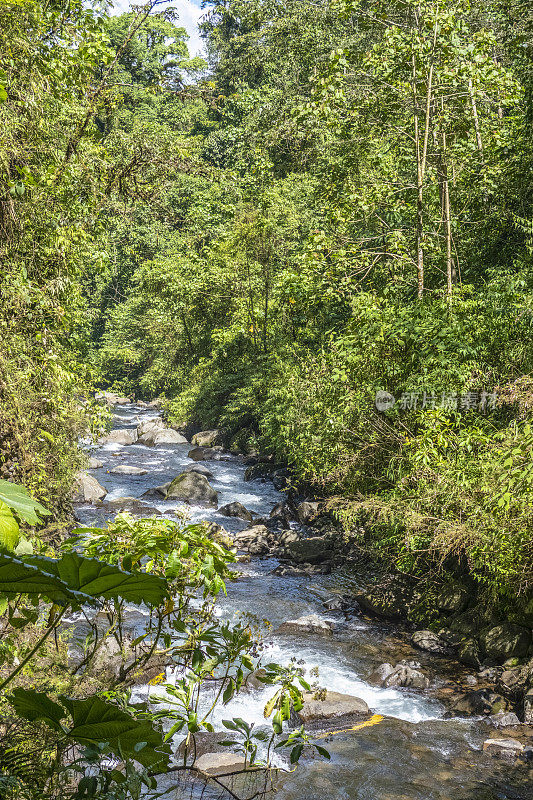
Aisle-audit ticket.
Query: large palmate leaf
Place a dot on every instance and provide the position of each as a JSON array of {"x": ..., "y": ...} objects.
[
  {"x": 95, "y": 721},
  {"x": 34, "y": 706},
  {"x": 19, "y": 501},
  {"x": 75, "y": 580},
  {"x": 97, "y": 579},
  {"x": 19, "y": 577}
]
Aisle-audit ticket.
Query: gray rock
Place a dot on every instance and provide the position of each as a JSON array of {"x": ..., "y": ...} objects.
[
  {"x": 88, "y": 489},
  {"x": 514, "y": 681},
  {"x": 406, "y": 675},
  {"x": 528, "y": 707},
  {"x": 235, "y": 510},
  {"x": 468, "y": 653},
  {"x": 200, "y": 469},
  {"x": 312, "y": 551},
  {"x": 311, "y": 623},
  {"x": 254, "y": 681},
  {"x": 480, "y": 702},
  {"x": 288, "y": 537},
  {"x": 207, "y": 439},
  {"x": 281, "y": 514},
  {"x": 380, "y": 674},
  {"x": 453, "y": 599},
  {"x": 112, "y": 399},
  {"x": 205, "y": 453},
  {"x": 334, "y": 706},
  {"x": 150, "y": 426},
  {"x": 169, "y": 436},
  {"x": 508, "y": 749},
  {"x": 201, "y": 743},
  {"x": 430, "y": 642},
  {"x": 505, "y": 641},
  {"x": 220, "y": 763},
  {"x": 391, "y": 601},
  {"x": 94, "y": 463},
  {"x": 504, "y": 719},
  {"x": 194, "y": 489},
  {"x": 307, "y": 512},
  {"x": 125, "y": 470},
  {"x": 158, "y": 491},
  {"x": 125, "y": 436}
]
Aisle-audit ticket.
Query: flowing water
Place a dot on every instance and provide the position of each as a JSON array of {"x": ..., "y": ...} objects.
[{"x": 414, "y": 753}]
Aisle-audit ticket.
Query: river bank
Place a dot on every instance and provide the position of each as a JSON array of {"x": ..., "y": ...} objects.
[{"x": 422, "y": 747}]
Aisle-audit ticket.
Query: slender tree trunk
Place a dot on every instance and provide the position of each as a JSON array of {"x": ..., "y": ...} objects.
[
  {"x": 419, "y": 192},
  {"x": 476, "y": 119}
]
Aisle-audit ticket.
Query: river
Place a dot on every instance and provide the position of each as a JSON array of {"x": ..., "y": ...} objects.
[{"x": 415, "y": 753}]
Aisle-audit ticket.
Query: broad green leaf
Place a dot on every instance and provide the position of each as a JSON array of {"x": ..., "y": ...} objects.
[
  {"x": 33, "y": 706},
  {"x": 19, "y": 577},
  {"x": 9, "y": 529},
  {"x": 19, "y": 501},
  {"x": 96, "y": 579},
  {"x": 94, "y": 720}
]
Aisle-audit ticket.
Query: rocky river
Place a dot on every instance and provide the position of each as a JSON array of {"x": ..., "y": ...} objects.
[{"x": 418, "y": 750}]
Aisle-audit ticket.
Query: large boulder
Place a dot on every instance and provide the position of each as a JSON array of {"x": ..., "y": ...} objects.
[
  {"x": 256, "y": 540},
  {"x": 207, "y": 439},
  {"x": 94, "y": 463},
  {"x": 408, "y": 675},
  {"x": 307, "y": 512},
  {"x": 469, "y": 653},
  {"x": 204, "y": 742},
  {"x": 160, "y": 435},
  {"x": 200, "y": 469},
  {"x": 479, "y": 702},
  {"x": 311, "y": 623},
  {"x": 220, "y": 763},
  {"x": 205, "y": 453},
  {"x": 123, "y": 436},
  {"x": 194, "y": 489},
  {"x": 333, "y": 707},
  {"x": 280, "y": 515},
  {"x": 169, "y": 436},
  {"x": 310, "y": 551},
  {"x": 505, "y": 641},
  {"x": 88, "y": 489},
  {"x": 235, "y": 510},
  {"x": 431, "y": 643},
  {"x": 391, "y": 600},
  {"x": 150, "y": 425},
  {"x": 507, "y": 749},
  {"x": 126, "y": 470}
]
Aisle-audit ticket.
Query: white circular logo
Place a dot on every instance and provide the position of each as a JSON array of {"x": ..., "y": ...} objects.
[{"x": 384, "y": 401}]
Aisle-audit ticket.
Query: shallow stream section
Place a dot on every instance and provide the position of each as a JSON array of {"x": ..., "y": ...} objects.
[{"x": 414, "y": 753}]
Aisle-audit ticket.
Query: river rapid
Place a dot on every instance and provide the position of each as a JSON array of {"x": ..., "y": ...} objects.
[{"x": 415, "y": 753}]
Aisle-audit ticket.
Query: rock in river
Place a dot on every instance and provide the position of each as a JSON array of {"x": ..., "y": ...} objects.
[
  {"x": 200, "y": 469},
  {"x": 220, "y": 763},
  {"x": 307, "y": 512},
  {"x": 94, "y": 463},
  {"x": 207, "y": 439},
  {"x": 508, "y": 749},
  {"x": 89, "y": 490},
  {"x": 335, "y": 706},
  {"x": 120, "y": 436},
  {"x": 311, "y": 623},
  {"x": 310, "y": 551},
  {"x": 205, "y": 453},
  {"x": 235, "y": 509},
  {"x": 192, "y": 488},
  {"x": 126, "y": 470}
]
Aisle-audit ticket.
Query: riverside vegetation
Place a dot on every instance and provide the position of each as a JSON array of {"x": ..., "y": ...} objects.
[{"x": 335, "y": 204}]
